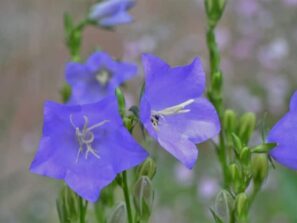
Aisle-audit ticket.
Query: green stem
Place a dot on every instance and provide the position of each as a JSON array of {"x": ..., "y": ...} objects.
[
  {"x": 215, "y": 96},
  {"x": 127, "y": 197},
  {"x": 256, "y": 189},
  {"x": 83, "y": 209}
]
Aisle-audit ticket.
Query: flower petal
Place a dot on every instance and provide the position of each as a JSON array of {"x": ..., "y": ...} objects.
[
  {"x": 109, "y": 8},
  {"x": 284, "y": 134},
  {"x": 293, "y": 102},
  {"x": 116, "y": 19},
  {"x": 173, "y": 85},
  {"x": 199, "y": 124},
  {"x": 182, "y": 149}
]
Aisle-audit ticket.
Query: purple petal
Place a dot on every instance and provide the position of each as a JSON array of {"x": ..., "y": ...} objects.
[
  {"x": 284, "y": 134},
  {"x": 293, "y": 102},
  {"x": 199, "y": 124},
  {"x": 116, "y": 19},
  {"x": 181, "y": 148},
  {"x": 109, "y": 8},
  {"x": 82, "y": 78},
  {"x": 99, "y": 60},
  {"x": 173, "y": 85},
  {"x": 76, "y": 72}
]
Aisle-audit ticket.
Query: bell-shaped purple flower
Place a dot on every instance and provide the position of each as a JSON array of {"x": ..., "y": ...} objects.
[
  {"x": 172, "y": 108},
  {"x": 284, "y": 134},
  {"x": 97, "y": 78},
  {"x": 86, "y": 146},
  {"x": 110, "y": 13}
]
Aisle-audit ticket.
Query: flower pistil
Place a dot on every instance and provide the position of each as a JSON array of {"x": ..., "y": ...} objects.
[{"x": 86, "y": 137}]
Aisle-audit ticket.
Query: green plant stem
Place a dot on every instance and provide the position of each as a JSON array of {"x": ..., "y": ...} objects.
[
  {"x": 215, "y": 96},
  {"x": 127, "y": 197},
  {"x": 255, "y": 191},
  {"x": 83, "y": 210}
]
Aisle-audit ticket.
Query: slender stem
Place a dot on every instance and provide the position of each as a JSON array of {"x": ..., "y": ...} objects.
[
  {"x": 127, "y": 197},
  {"x": 215, "y": 96},
  {"x": 83, "y": 210},
  {"x": 256, "y": 189}
]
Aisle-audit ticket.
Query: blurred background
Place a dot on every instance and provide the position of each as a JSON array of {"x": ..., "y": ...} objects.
[{"x": 258, "y": 41}]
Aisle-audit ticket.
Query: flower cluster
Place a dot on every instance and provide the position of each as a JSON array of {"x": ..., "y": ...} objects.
[{"x": 85, "y": 142}]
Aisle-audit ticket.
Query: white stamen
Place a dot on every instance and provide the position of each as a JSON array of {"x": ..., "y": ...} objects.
[
  {"x": 85, "y": 137},
  {"x": 176, "y": 109},
  {"x": 173, "y": 110}
]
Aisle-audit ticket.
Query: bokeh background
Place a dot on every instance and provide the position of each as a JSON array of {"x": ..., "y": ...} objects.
[{"x": 258, "y": 40}]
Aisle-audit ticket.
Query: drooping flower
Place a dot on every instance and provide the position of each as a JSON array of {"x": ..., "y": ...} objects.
[
  {"x": 284, "y": 134},
  {"x": 97, "y": 78},
  {"x": 172, "y": 108},
  {"x": 86, "y": 146},
  {"x": 110, "y": 13}
]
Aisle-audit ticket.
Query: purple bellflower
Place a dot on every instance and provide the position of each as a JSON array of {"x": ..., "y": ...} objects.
[
  {"x": 110, "y": 13},
  {"x": 284, "y": 135},
  {"x": 86, "y": 146},
  {"x": 97, "y": 78},
  {"x": 172, "y": 109}
]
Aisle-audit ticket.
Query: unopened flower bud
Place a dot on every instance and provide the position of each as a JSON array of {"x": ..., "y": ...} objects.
[
  {"x": 236, "y": 143},
  {"x": 259, "y": 167},
  {"x": 143, "y": 197},
  {"x": 214, "y": 10},
  {"x": 241, "y": 205},
  {"x": 223, "y": 205},
  {"x": 235, "y": 177},
  {"x": 247, "y": 124},
  {"x": 229, "y": 121},
  {"x": 245, "y": 156},
  {"x": 119, "y": 214},
  {"x": 148, "y": 168}
]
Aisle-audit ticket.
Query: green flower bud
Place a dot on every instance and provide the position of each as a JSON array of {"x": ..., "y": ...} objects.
[
  {"x": 223, "y": 205},
  {"x": 259, "y": 167},
  {"x": 241, "y": 206},
  {"x": 214, "y": 10},
  {"x": 245, "y": 156},
  {"x": 121, "y": 101},
  {"x": 236, "y": 143},
  {"x": 235, "y": 177},
  {"x": 143, "y": 196},
  {"x": 119, "y": 214},
  {"x": 229, "y": 121},
  {"x": 148, "y": 168},
  {"x": 246, "y": 127}
]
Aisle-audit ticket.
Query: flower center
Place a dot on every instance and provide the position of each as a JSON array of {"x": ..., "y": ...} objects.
[
  {"x": 103, "y": 76},
  {"x": 173, "y": 110},
  {"x": 85, "y": 137}
]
